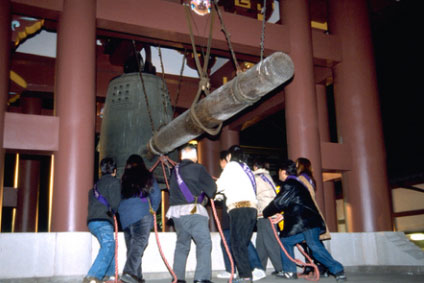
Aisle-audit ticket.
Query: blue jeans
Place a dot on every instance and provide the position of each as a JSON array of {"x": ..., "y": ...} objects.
[
  {"x": 251, "y": 250},
  {"x": 311, "y": 237},
  {"x": 136, "y": 240},
  {"x": 104, "y": 264}
]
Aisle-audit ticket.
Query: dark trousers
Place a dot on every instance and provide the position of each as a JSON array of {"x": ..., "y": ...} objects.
[
  {"x": 136, "y": 240},
  {"x": 267, "y": 245},
  {"x": 242, "y": 223},
  {"x": 254, "y": 260}
]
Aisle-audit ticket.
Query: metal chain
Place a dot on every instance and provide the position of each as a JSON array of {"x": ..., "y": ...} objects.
[
  {"x": 177, "y": 96},
  {"x": 138, "y": 56},
  {"x": 227, "y": 37},
  {"x": 165, "y": 94},
  {"x": 263, "y": 30}
]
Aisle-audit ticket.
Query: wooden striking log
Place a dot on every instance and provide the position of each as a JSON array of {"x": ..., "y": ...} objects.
[{"x": 223, "y": 103}]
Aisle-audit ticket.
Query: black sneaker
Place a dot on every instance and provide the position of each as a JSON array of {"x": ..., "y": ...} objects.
[
  {"x": 287, "y": 275},
  {"x": 129, "y": 278},
  {"x": 324, "y": 274},
  {"x": 340, "y": 277}
]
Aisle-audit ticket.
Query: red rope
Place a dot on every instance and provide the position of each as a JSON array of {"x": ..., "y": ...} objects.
[
  {"x": 297, "y": 261},
  {"x": 116, "y": 248},
  {"x": 227, "y": 250},
  {"x": 162, "y": 160}
]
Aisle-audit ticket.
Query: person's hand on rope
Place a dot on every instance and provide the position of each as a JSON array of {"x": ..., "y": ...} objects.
[{"x": 276, "y": 218}]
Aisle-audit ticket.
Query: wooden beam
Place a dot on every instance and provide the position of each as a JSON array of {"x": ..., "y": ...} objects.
[
  {"x": 31, "y": 132},
  {"x": 166, "y": 21}
]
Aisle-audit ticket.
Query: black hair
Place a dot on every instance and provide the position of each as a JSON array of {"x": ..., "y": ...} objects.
[
  {"x": 289, "y": 166},
  {"x": 223, "y": 154},
  {"x": 136, "y": 179},
  {"x": 237, "y": 153},
  {"x": 259, "y": 162},
  {"x": 107, "y": 166},
  {"x": 304, "y": 166}
]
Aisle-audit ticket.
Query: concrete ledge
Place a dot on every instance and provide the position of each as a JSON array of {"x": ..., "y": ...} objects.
[{"x": 56, "y": 255}]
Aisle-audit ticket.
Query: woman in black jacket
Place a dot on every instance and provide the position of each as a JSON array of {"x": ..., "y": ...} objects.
[{"x": 302, "y": 222}]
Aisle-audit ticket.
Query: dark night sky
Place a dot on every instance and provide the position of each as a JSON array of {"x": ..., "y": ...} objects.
[
  {"x": 399, "y": 58},
  {"x": 397, "y": 35}
]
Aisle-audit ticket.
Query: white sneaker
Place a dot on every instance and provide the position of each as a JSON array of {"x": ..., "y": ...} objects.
[
  {"x": 258, "y": 274},
  {"x": 224, "y": 275}
]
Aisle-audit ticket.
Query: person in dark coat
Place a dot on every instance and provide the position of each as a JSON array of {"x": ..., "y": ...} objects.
[
  {"x": 302, "y": 222},
  {"x": 103, "y": 201},
  {"x": 190, "y": 182}
]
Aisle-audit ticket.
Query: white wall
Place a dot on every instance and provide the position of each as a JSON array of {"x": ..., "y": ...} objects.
[{"x": 24, "y": 255}]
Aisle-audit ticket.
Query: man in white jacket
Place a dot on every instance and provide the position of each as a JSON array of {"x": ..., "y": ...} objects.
[{"x": 237, "y": 183}]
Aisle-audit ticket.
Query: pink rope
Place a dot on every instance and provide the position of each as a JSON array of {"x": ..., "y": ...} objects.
[
  {"x": 162, "y": 160},
  {"x": 227, "y": 250},
  {"x": 116, "y": 248},
  {"x": 297, "y": 261}
]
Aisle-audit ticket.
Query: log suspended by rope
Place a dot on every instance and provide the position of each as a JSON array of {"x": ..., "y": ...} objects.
[{"x": 221, "y": 104}]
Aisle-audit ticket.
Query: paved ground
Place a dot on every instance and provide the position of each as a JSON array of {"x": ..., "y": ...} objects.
[{"x": 363, "y": 275}]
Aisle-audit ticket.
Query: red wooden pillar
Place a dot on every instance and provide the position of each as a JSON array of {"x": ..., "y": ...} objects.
[
  {"x": 359, "y": 119},
  {"x": 5, "y": 41},
  {"x": 324, "y": 133},
  {"x": 208, "y": 151},
  {"x": 301, "y": 105},
  {"x": 29, "y": 178},
  {"x": 75, "y": 106},
  {"x": 228, "y": 138}
]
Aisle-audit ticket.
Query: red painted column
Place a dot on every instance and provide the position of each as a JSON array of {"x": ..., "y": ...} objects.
[
  {"x": 359, "y": 119},
  {"x": 330, "y": 213},
  {"x": 75, "y": 105},
  {"x": 208, "y": 151},
  {"x": 29, "y": 178},
  {"x": 301, "y": 105},
  {"x": 228, "y": 138},
  {"x": 5, "y": 42}
]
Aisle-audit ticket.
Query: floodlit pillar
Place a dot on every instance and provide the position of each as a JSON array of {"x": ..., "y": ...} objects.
[
  {"x": 300, "y": 99},
  {"x": 228, "y": 138},
  {"x": 75, "y": 106},
  {"x": 359, "y": 123},
  {"x": 324, "y": 133},
  {"x": 29, "y": 178},
  {"x": 208, "y": 151},
  {"x": 5, "y": 42}
]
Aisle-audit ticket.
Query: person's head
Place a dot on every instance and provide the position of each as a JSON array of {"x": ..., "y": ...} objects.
[
  {"x": 189, "y": 152},
  {"x": 304, "y": 165},
  {"x": 135, "y": 160},
  {"x": 136, "y": 178},
  {"x": 235, "y": 153},
  {"x": 258, "y": 163},
  {"x": 223, "y": 159},
  {"x": 108, "y": 166},
  {"x": 286, "y": 169}
]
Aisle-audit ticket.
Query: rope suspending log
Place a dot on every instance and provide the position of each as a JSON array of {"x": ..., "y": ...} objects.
[{"x": 223, "y": 103}]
